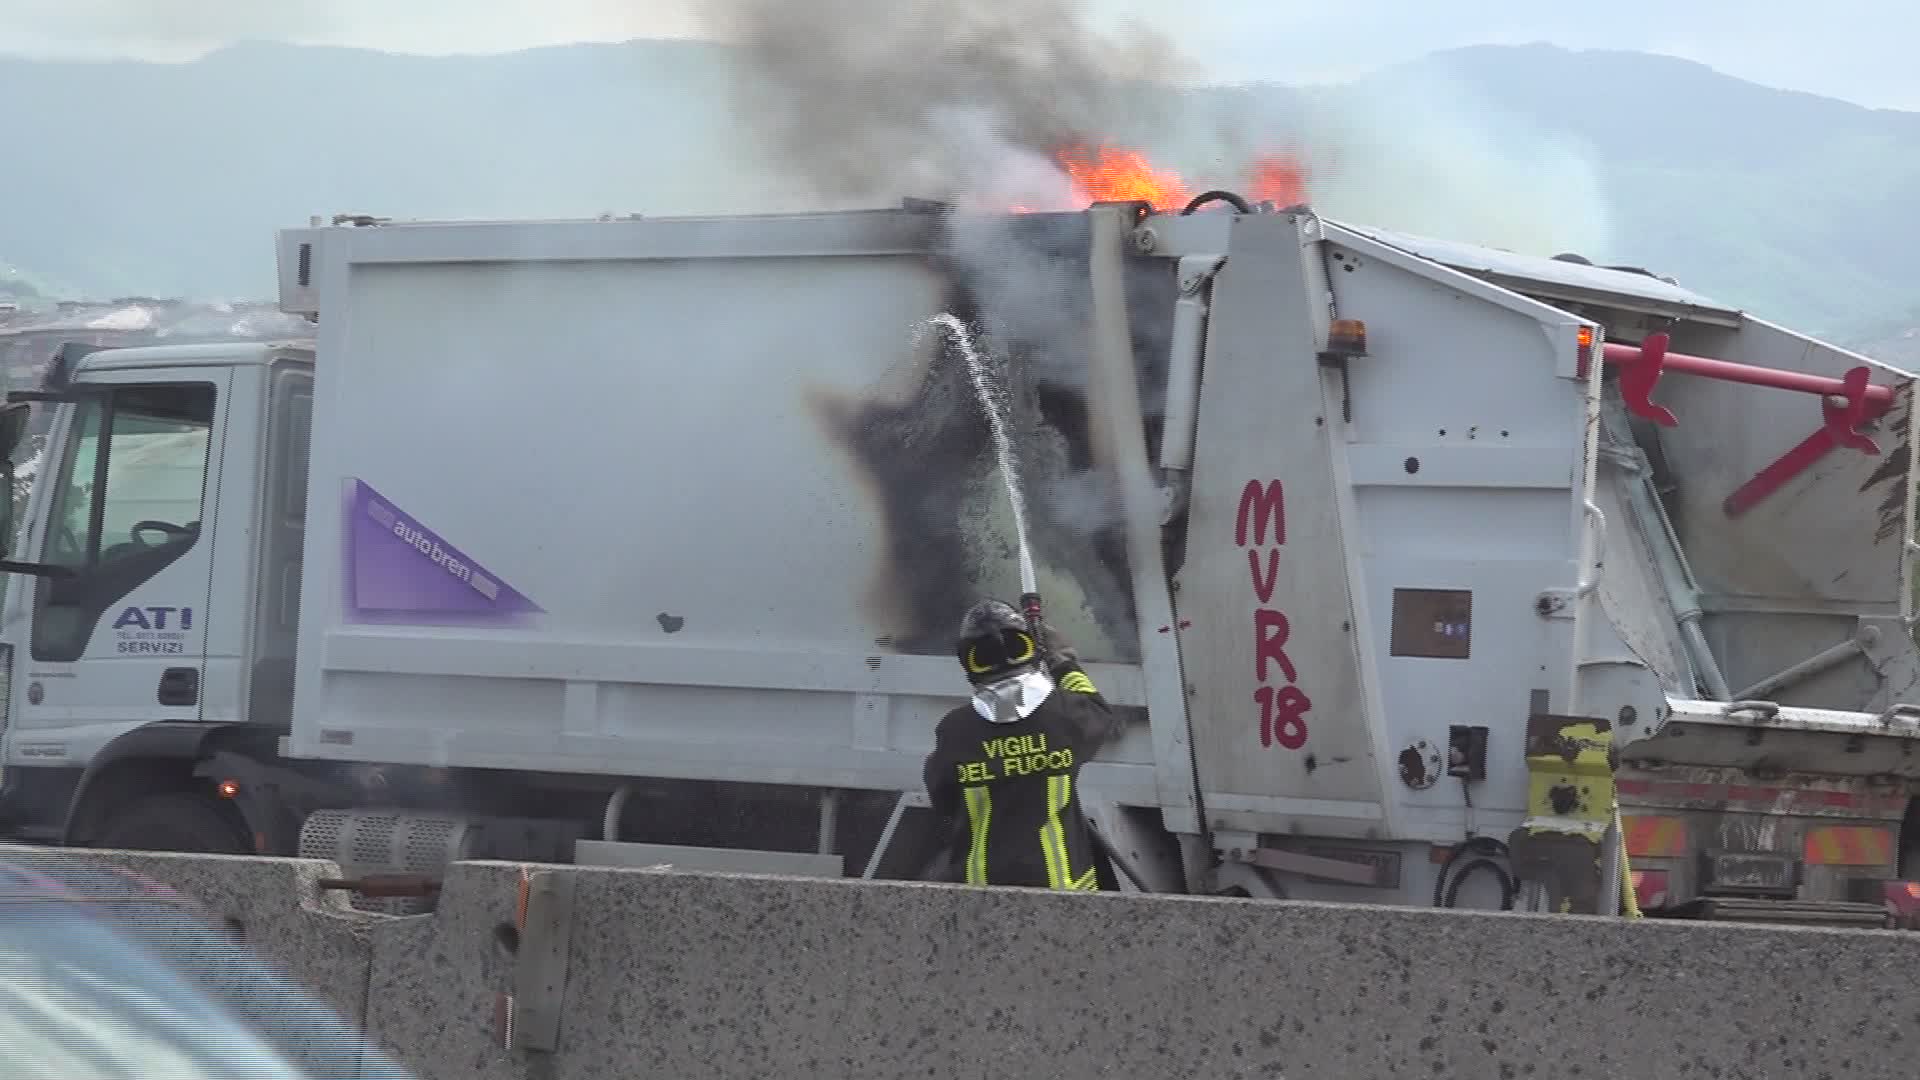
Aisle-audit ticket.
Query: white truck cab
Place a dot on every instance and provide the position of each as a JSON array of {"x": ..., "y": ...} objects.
[{"x": 155, "y": 585}]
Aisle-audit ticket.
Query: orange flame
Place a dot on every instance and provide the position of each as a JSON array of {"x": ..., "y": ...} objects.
[
  {"x": 1112, "y": 174},
  {"x": 1117, "y": 174},
  {"x": 1280, "y": 179}
]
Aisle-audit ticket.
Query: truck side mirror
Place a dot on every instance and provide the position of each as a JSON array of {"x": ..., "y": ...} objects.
[
  {"x": 13, "y": 430},
  {"x": 6, "y": 508},
  {"x": 13, "y": 427}
]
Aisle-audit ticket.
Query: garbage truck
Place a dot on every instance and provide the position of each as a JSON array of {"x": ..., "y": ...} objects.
[{"x": 1424, "y": 573}]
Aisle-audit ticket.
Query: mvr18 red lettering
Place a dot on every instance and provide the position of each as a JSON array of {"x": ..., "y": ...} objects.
[{"x": 1283, "y": 708}]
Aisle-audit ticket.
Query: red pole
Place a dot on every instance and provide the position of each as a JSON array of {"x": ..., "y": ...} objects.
[
  {"x": 1728, "y": 371},
  {"x": 1845, "y": 405}
]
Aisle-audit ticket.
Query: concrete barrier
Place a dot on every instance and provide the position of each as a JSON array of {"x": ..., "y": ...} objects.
[{"x": 652, "y": 973}]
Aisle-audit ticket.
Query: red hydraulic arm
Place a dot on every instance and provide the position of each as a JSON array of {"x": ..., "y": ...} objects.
[{"x": 1846, "y": 404}]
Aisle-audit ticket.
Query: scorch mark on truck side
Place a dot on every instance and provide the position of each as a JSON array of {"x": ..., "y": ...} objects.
[
  {"x": 918, "y": 446},
  {"x": 1283, "y": 708}
]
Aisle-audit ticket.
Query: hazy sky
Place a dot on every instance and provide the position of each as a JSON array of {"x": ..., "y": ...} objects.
[{"x": 1858, "y": 50}]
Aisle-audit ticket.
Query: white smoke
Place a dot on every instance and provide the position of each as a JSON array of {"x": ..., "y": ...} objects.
[
  {"x": 969, "y": 154},
  {"x": 1419, "y": 153}
]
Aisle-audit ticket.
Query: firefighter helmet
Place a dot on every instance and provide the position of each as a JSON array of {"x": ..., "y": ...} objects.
[{"x": 995, "y": 643}]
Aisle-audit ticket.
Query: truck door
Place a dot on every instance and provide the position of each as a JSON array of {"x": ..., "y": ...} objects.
[{"x": 121, "y": 642}]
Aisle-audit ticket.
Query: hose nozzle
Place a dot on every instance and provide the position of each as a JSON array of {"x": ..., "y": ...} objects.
[{"x": 1030, "y": 607}]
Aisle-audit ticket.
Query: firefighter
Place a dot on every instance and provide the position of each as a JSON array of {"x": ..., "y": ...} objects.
[{"x": 1004, "y": 767}]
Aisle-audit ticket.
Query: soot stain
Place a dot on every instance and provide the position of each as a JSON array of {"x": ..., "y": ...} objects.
[
  {"x": 923, "y": 444},
  {"x": 918, "y": 463}
]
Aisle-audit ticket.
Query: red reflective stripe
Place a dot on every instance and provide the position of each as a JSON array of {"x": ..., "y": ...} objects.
[
  {"x": 1745, "y": 793},
  {"x": 1848, "y": 845},
  {"x": 1725, "y": 792},
  {"x": 1655, "y": 837},
  {"x": 1650, "y": 888}
]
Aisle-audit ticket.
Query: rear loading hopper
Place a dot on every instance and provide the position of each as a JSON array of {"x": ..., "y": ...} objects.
[{"x": 1586, "y": 519}]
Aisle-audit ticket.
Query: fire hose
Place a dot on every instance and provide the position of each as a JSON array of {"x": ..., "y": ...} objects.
[
  {"x": 1446, "y": 893},
  {"x": 1030, "y": 607}
]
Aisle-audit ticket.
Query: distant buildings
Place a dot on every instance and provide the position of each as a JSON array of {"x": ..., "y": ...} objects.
[{"x": 30, "y": 336}]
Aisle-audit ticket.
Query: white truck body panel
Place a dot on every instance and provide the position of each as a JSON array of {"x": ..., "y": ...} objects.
[{"x": 692, "y": 573}]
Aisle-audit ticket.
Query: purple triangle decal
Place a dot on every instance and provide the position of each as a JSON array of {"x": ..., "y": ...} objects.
[{"x": 398, "y": 570}]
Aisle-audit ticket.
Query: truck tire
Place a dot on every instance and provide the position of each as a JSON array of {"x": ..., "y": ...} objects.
[{"x": 175, "y": 822}]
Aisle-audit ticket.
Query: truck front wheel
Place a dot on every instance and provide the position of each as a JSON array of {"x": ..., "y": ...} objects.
[{"x": 175, "y": 822}]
